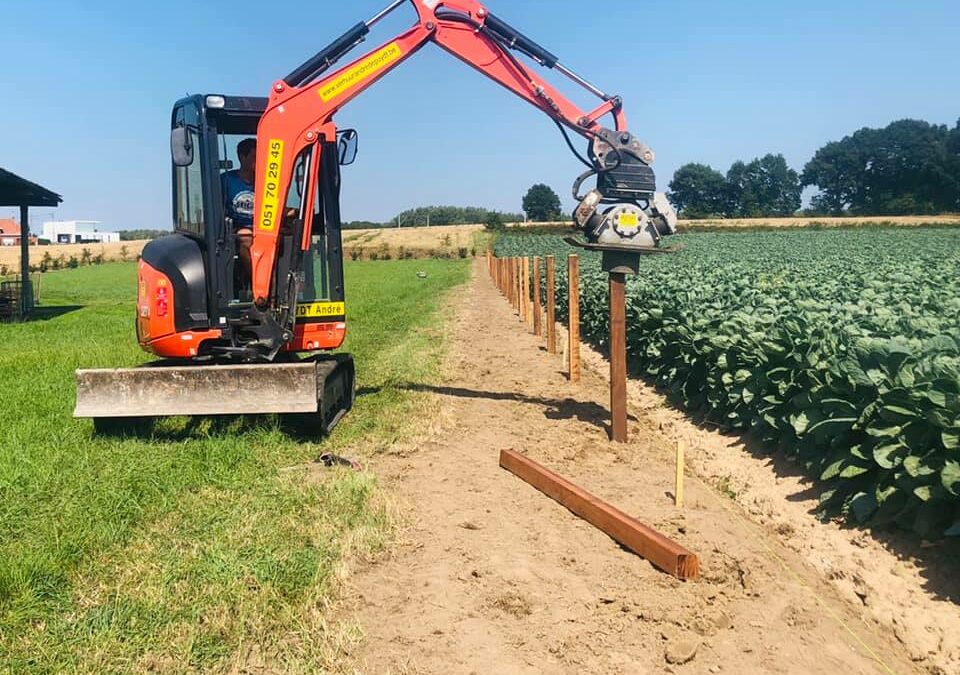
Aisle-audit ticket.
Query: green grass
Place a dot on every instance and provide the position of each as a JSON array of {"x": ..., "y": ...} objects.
[{"x": 199, "y": 547}]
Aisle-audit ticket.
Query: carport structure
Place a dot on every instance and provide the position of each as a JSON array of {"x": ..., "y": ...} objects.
[{"x": 19, "y": 192}]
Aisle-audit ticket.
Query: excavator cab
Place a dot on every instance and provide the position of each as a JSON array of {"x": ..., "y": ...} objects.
[{"x": 201, "y": 261}]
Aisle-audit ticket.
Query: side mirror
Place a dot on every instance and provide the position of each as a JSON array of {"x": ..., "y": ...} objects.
[
  {"x": 347, "y": 146},
  {"x": 181, "y": 147}
]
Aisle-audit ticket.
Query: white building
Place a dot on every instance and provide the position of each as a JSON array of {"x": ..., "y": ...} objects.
[{"x": 76, "y": 232}]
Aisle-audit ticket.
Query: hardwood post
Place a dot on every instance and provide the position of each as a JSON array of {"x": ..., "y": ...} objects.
[
  {"x": 573, "y": 313},
  {"x": 681, "y": 461},
  {"x": 525, "y": 289},
  {"x": 537, "y": 309},
  {"x": 618, "y": 358},
  {"x": 516, "y": 284},
  {"x": 551, "y": 305}
]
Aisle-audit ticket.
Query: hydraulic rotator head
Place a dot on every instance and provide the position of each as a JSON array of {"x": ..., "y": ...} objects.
[{"x": 624, "y": 208}]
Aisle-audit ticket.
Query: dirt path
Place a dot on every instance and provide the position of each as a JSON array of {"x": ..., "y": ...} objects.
[{"x": 490, "y": 576}]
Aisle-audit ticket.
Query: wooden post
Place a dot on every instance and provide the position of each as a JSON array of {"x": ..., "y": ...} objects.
[
  {"x": 573, "y": 285},
  {"x": 618, "y": 358},
  {"x": 551, "y": 305},
  {"x": 525, "y": 289},
  {"x": 25, "y": 297},
  {"x": 516, "y": 284},
  {"x": 537, "y": 309},
  {"x": 681, "y": 460}
]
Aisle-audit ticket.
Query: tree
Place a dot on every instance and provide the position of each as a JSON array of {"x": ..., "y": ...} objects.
[
  {"x": 765, "y": 187},
  {"x": 838, "y": 169},
  {"x": 697, "y": 191},
  {"x": 447, "y": 215},
  {"x": 909, "y": 166},
  {"x": 494, "y": 221},
  {"x": 541, "y": 204}
]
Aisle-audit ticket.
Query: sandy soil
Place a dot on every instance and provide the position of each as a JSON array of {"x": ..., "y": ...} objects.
[
  {"x": 10, "y": 255},
  {"x": 908, "y": 587},
  {"x": 490, "y": 576}
]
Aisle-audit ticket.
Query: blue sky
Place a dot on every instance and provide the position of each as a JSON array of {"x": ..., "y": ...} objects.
[{"x": 88, "y": 89}]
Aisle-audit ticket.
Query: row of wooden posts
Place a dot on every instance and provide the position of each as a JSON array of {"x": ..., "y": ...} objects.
[
  {"x": 513, "y": 277},
  {"x": 519, "y": 279}
]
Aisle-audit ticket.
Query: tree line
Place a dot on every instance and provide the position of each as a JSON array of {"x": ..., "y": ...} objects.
[
  {"x": 907, "y": 167},
  {"x": 448, "y": 215}
]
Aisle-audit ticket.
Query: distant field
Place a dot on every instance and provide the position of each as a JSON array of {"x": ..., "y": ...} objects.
[
  {"x": 901, "y": 221},
  {"x": 461, "y": 241},
  {"x": 448, "y": 241},
  {"x": 10, "y": 255}
]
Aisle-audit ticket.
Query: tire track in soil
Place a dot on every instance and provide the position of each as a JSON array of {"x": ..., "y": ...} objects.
[{"x": 490, "y": 576}]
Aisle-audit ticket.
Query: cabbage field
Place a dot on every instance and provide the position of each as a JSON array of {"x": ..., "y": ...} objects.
[{"x": 840, "y": 347}]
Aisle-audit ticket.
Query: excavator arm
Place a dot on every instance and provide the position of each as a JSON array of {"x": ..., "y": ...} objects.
[{"x": 297, "y": 126}]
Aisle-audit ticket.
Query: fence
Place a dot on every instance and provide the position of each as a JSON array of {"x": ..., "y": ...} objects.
[
  {"x": 532, "y": 294},
  {"x": 16, "y": 301}
]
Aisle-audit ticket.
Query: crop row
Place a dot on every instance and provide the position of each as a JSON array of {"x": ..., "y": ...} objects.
[{"x": 840, "y": 348}]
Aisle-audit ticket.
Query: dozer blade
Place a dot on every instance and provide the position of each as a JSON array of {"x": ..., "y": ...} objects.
[{"x": 323, "y": 387}]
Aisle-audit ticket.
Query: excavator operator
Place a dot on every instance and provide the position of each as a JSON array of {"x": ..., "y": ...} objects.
[{"x": 238, "y": 197}]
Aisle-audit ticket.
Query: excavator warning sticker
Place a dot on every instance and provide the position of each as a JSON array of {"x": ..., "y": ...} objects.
[
  {"x": 271, "y": 186},
  {"x": 365, "y": 69},
  {"x": 629, "y": 220},
  {"x": 317, "y": 310}
]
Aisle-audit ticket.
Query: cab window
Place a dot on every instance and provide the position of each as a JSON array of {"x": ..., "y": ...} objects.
[{"x": 188, "y": 180}]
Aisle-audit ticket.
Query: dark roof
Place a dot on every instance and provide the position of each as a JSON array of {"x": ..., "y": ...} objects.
[{"x": 17, "y": 191}]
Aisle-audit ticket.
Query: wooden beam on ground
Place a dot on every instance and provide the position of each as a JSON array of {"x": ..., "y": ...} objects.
[{"x": 625, "y": 530}]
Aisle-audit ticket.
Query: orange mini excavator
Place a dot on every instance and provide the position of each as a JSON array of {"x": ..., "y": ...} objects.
[{"x": 257, "y": 340}]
